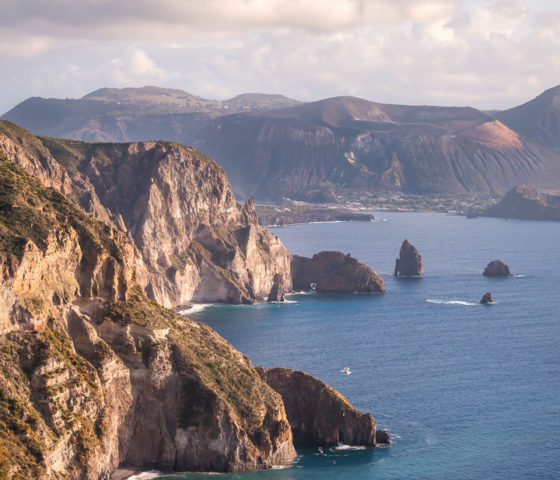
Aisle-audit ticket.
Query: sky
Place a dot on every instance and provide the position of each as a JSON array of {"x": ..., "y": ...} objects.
[{"x": 487, "y": 54}]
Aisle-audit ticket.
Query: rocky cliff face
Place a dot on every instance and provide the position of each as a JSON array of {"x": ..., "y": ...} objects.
[
  {"x": 194, "y": 241},
  {"x": 409, "y": 263},
  {"x": 92, "y": 374},
  {"x": 334, "y": 272},
  {"x": 318, "y": 414},
  {"x": 527, "y": 203}
]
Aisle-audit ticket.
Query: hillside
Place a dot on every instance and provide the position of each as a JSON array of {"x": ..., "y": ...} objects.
[
  {"x": 526, "y": 203},
  {"x": 133, "y": 114},
  {"x": 538, "y": 119},
  {"x": 319, "y": 150}
]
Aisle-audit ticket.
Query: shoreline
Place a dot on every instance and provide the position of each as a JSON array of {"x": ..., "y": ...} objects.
[{"x": 131, "y": 473}]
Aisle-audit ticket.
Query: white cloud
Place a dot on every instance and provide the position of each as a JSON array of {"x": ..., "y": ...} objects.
[{"x": 487, "y": 53}]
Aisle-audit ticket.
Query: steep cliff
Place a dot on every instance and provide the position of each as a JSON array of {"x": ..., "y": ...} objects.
[
  {"x": 318, "y": 414},
  {"x": 93, "y": 375},
  {"x": 194, "y": 241}
]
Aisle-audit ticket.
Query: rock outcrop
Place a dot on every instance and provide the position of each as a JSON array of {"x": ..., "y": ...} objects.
[
  {"x": 335, "y": 272},
  {"x": 487, "y": 299},
  {"x": 278, "y": 289},
  {"x": 526, "y": 203},
  {"x": 318, "y": 414},
  {"x": 409, "y": 263},
  {"x": 496, "y": 268}
]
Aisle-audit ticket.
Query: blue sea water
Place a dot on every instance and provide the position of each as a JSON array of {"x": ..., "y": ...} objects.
[{"x": 467, "y": 391}]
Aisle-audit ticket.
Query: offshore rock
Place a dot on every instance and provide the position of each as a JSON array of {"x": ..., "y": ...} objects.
[
  {"x": 409, "y": 263},
  {"x": 335, "y": 272},
  {"x": 278, "y": 289},
  {"x": 496, "y": 268},
  {"x": 487, "y": 298},
  {"x": 318, "y": 414},
  {"x": 382, "y": 437}
]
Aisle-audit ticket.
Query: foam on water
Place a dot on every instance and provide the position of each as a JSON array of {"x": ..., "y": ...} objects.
[{"x": 452, "y": 302}]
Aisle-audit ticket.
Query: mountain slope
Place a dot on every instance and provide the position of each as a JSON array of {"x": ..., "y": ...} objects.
[
  {"x": 538, "y": 119},
  {"x": 347, "y": 144},
  {"x": 133, "y": 114}
]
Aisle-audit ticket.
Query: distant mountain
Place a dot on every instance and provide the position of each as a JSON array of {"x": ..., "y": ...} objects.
[
  {"x": 133, "y": 114},
  {"x": 272, "y": 146},
  {"x": 342, "y": 145},
  {"x": 526, "y": 203},
  {"x": 538, "y": 119}
]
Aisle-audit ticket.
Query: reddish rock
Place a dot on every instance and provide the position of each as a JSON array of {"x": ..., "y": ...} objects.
[
  {"x": 382, "y": 437},
  {"x": 317, "y": 413},
  {"x": 335, "y": 272},
  {"x": 409, "y": 263},
  {"x": 496, "y": 268}
]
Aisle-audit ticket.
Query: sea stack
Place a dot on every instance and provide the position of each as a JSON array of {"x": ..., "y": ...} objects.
[
  {"x": 409, "y": 263},
  {"x": 278, "y": 289},
  {"x": 496, "y": 268},
  {"x": 487, "y": 299}
]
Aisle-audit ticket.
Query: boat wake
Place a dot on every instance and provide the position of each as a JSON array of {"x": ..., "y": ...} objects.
[{"x": 452, "y": 302}]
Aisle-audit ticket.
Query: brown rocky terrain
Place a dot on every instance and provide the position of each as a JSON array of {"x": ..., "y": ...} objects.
[
  {"x": 94, "y": 375},
  {"x": 318, "y": 414},
  {"x": 409, "y": 263},
  {"x": 335, "y": 272},
  {"x": 527, "y": 203},
  {"x": 286, "y": 215}
]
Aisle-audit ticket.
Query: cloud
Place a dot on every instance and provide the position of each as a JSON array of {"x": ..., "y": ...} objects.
[{"x": 484, "y": 53}]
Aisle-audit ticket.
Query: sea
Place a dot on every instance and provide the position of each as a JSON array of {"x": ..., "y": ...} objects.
[{"x": 466, "y": 391}]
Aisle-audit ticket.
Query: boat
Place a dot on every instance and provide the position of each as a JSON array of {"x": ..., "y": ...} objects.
[{"x": 346, "y": 370}]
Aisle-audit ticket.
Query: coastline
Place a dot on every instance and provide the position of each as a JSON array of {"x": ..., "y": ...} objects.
[{"x": 134, "y": 474}]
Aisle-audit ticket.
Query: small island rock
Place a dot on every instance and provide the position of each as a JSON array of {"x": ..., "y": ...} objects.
[
  {"x": 335, "y": 272},
  {"x": 496, "y": 268},
  {"x": 409, "y": 263},
  {"x": 487, "y": 298},
  {"x": 382, "y": 437}
]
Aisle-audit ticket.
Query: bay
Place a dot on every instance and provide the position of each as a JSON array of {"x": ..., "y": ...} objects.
[{"x": 465, "y": 390}]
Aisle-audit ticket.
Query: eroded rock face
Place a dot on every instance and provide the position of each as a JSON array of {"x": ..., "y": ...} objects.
[
  {"x": 496, "y": 268},
  {"x": 487, "y": 298},
  {"x": 278, "y": 289},
  {"x": 409, "y": 263},
  {"x": 335, "y": 272},
  {"x": 95, "y": 375},
  {"x": 318, "y": 414}
]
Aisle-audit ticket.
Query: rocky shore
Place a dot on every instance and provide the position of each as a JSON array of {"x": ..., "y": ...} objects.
[
  {"x": 96, "y": 240},
  {"x": 275, "y": 215}
]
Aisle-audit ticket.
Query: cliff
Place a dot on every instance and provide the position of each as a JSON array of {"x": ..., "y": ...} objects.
[
  {"x": 318, "y": 414},
  {"x": 193, "y": 241},
  {"x": 94, "y": 375},
  {"x": 526, "y": 203}
]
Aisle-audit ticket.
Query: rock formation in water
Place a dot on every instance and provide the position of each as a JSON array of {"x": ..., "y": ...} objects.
[
  {"x": 496, "y": 268},
  {"x": 278, "y": 289},
  {"x": 335, "y": 272},
  {"x": 318, "y": 414},
  {"x": 409, "y": 263},
  {"x": 526, "y": 203},
  {"x": 487, "y": 298}
]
